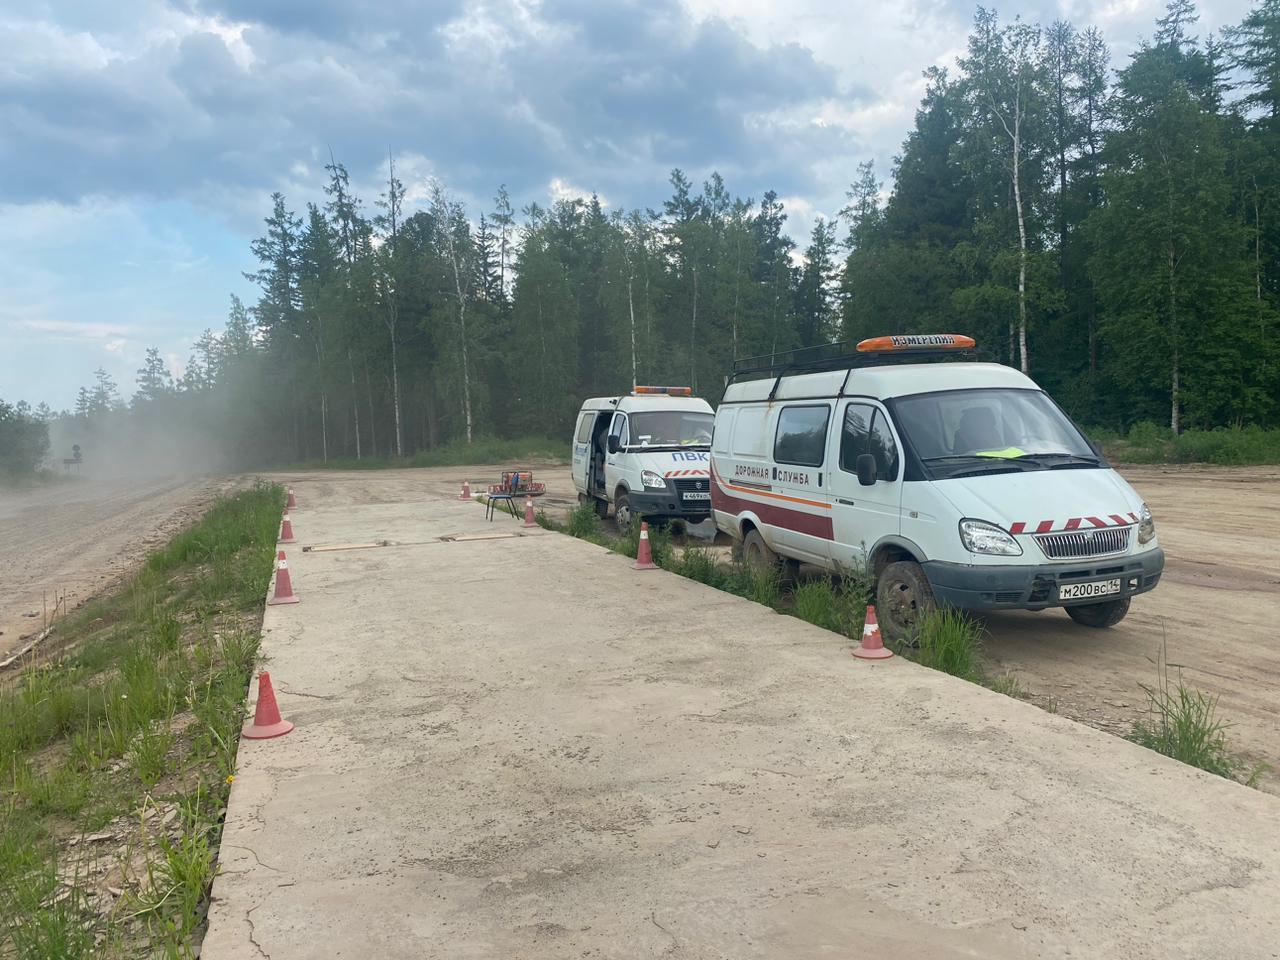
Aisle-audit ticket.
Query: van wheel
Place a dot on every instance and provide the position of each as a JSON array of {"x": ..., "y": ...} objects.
[
  {"x": 757, "y": 554},
  {"x": 622, "y": 513},
  {"x": 903, "y": 596},
  {"x": 1105, "y": 614}
]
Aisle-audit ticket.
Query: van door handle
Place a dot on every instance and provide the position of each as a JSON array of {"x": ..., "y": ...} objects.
[{"x": 847, "y": 503}]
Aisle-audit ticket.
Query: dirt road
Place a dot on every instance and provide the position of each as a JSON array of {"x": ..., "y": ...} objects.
[
  {"x": 77, "y": 538},
  {"x": 1216, "y": 611}
]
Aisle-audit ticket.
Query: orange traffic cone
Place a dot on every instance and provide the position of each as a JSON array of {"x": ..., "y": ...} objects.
[
  {"x": 267, "y": 722},
  {"x": 529, "y": 520},
  {"x": 291, "y": 503},
  {"x": 466, "y": 490},
  {"x": 284, "y": 586},
  {"x": 872, "y": 646},
  {"x": 644, "y": 557},
  {"x": 286, "y": 530}
]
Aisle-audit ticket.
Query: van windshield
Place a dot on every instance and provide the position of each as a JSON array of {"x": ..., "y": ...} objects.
[
  {"x": 964, "y": 432},
  {"x": 670, "y": 428}
]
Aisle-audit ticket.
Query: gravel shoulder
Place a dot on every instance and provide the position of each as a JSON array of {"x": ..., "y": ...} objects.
[{"x": 78, "y": 538}]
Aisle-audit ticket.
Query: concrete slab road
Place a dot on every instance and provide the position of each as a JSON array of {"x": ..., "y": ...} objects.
[{"x": 519, "y": 747}]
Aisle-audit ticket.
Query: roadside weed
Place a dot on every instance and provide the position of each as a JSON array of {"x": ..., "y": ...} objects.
[
  {"x": 836, "y": 604},
  {"x": 949, "y": 641},
  {"x": 1007, "y": 684},
  {"x": 696, "y": 563},
  {"x": 583, "y": 522},
  {"x": 1182, "y": 723},
  {"x": 149, "y": 753}
]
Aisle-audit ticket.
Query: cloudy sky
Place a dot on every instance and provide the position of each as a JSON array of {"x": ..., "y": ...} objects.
[{"x": 140, "y": 139}]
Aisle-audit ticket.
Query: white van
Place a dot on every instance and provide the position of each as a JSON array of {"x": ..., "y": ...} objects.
[
  {"x": 646, "y": 454},
  {"x": 957, "y": 482}
]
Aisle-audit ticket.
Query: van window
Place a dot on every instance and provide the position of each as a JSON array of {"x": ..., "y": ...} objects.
[
  {"x": 867, "y": 431},
  {"x": 619, "y": 428},
  {"x": 749, "y": 438},
  {"x": 584, "y": 427},
  {"x": 724, "y": 430},
  {"x": 802, "y": 436}
]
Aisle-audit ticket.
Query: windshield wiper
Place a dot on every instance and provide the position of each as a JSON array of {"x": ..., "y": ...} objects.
[
  {"x": 980, "y": 464},
  {"x": 1060, "y": 459}
]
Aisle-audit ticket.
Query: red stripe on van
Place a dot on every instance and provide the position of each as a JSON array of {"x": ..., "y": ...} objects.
[{"x": 772, "y": 514}]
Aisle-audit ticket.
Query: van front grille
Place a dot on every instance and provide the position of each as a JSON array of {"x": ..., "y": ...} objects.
[
  {"x": 1084, "y": 543},
  {"x": 692, "y": 485}
]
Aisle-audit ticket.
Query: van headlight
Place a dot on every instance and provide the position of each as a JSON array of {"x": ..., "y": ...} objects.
[
  {"x": 652, "y": 481},
  {"x": 1146, "y": 525},
  {"x": 978, "y": 536}
]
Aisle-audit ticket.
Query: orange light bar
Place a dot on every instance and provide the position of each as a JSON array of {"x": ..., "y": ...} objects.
[
  {"x": 939, "y": 341},
  {"x": 669, "y": 391}
]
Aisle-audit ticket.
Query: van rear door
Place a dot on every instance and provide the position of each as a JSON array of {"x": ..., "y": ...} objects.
[{"x": 862, "y": 516}]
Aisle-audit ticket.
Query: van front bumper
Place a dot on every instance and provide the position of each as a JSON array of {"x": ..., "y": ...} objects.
[
  {"x": 1035, "y": 587},
  {"x": 669, "y": 504}
]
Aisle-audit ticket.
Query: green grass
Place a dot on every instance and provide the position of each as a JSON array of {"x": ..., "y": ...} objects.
[
  {"x": 1226, "y": 446},
  {"x": 485, "y": 450},
  {"x": 1183, "y": 723},
  {"x": 836, "y": 604},
  {"x": 950, "y": 641},
  {"x": 89, "y": 740}
]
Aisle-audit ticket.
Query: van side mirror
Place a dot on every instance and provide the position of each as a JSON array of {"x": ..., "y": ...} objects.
[
  {"x": 865, "y": 466},
  {"x": 615, "y": 444}
]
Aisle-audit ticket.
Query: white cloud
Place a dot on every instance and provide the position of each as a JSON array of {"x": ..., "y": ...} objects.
[{"x": 561, "y": 189}]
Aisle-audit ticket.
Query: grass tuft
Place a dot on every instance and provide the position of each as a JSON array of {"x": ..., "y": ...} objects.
[
  {"x": 949, "y": 641},
  {"x": 1183, "y": 724}
]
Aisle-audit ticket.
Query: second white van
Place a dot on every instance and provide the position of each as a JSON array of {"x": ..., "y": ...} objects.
[{"x": 945, "y": 478}]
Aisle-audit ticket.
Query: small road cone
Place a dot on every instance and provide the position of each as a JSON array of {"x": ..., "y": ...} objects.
[
  {"x": 284, "y": 586},
  {"x": 529, "y": 519},
  {"x": 466, "y": 490},
  {"x": 291, "y": 503},
  {"x": 286, "y": 530},
  {"x": 267, "y": 722},
  {"x": 644, "y": 557},
  {"x": 872, "y": 646}
]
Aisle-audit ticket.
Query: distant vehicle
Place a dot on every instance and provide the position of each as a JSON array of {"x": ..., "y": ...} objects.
[
  {"x": 957, "y": 482},
  {"x": 646, "y": 454}
]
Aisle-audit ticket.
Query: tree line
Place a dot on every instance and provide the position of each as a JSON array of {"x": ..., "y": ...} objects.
[{"x": 1113, "y": 232}]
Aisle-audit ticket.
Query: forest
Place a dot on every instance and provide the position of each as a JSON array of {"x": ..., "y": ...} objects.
[{"x": 1112, "y": 229}]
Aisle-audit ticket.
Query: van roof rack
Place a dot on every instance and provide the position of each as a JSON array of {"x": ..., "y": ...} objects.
[{"x": 844, "y": 355}]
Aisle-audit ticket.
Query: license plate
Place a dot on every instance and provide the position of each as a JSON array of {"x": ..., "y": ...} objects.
[
  {"x": 1080, "y": 591},
  {"x": 697, "y": 496}
]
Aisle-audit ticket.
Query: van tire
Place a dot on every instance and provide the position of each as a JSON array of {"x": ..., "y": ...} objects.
[
  {"x": 1105, "y": 614},
  {"x": 903, "y": 596},
  {"x": 622, "y": 513},
  {"x": 758, "y": 554}
]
